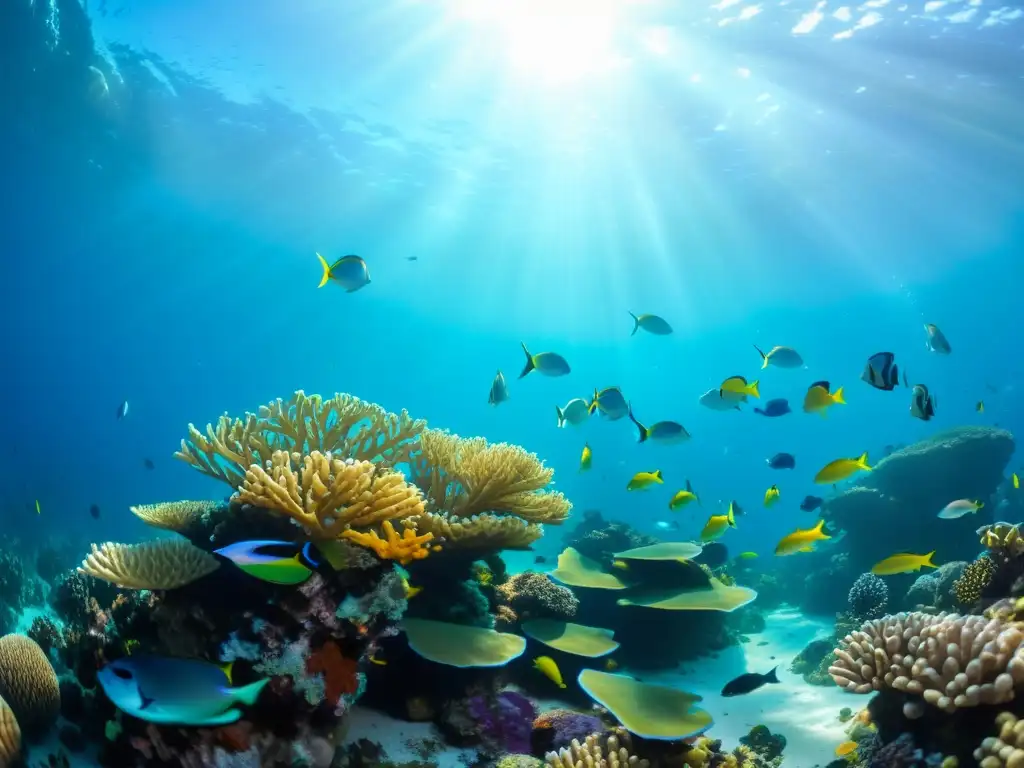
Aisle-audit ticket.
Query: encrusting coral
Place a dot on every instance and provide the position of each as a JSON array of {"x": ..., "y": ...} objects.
[
  {"x": 950, "y": 661},
  {"x": 160, "y": 564},
  {"x": 596, "y": 751},
  {"x": 28, "y": 683},
  {"x": 175, "y": 516}
]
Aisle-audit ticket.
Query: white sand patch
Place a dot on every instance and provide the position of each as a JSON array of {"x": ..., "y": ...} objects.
[{"x": 399, "y": 738}]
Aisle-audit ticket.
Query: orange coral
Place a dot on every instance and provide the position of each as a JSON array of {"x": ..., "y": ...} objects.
[
  {"x": 404, "y": 548},
  {"x": 340, "y": 673}
]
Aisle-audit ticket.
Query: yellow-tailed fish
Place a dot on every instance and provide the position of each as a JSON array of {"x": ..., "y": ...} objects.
[
  {"x": 586, "y": 457},
  {"x": 780, "y": 357},
  {"x": 651, "y": 324},
  {"x": 610, "y": 402},
  {"x": 747, "y": 555},
  {"x": 840, "y": 469},
  {"x": 546, "y": 363},
  {"x": 684, "y": 497},
  {"x": 771, "y": 495},
  {"x": 738, "y": 385},
  {"x": 717, "y": 525},
  {"x": 350, "y": 272},
  {"x": 903, "y": 563},
  {"x": 801, "y": 540},
  {"x": 39, "y": 509},
  {"x": 547, "y": 667},
  {"x": 959, "y": 508},
  {"x": 846, "y": 748},
  {"x": 1016, "y": 480},
  {"x": 643, "y": 480},
  {"x": 622, "y": 565},
  {"x": 819, "y": 398},
  {"x": 378, "y": 662},
  {"x": 277, "y": 562},
  {"x": 665, "y": 432},
  {"x": 735, "y": 509},
  {"x": 499, "y": 390},
  {"x": 408, "y": 589},
  {"x": 980, "y": 407},
  {"x": 611, "y": 665}
]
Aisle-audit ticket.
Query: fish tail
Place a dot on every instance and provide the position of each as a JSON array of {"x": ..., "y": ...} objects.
[
  {"x": 226, "y": 669},
  {"x": 862, "y": 462},
  {"x": 248, "y": 694},
  {"x": 636, "y": 324},
  {"x": 642, "y": 429},
  {"x": 592, "y": 408},
  {"x": 731, "y": 518},
  {"x": 818, "y": 529},
  {"x": 327, "y": 271},
  {"x": 561, "y": 416},
  {"x": 530, "y": 365},
  {"x": 561, "y": 685},
  {"x": 764, "y": 357},
  {"x": 657, "y": 474},
  {"x": 927, "y": 562},
  {"x": 771, "y": 677},
  {"x": 753, "y": 389},
  {"x": 837, "y": 397}
]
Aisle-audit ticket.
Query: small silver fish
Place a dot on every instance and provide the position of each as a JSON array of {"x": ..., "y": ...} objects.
[
  {"x": 499, "y": 390},
  {"x": 651, "y": 324},
  {"x": 936, "y": 340},
  {"x": 575, "y": 412},
  {"x": 122, "y": 410},
  {"x": 720, "y": 400}
]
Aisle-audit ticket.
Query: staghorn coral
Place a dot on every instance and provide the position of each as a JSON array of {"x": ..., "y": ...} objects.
[
  {"x": 534, "y": 595},
  {"x": 28, "y": 683},
  {"x": 343, "y": 425},
  {"x": 968, "y": 588},
  {"x": 950, "y": 661},
  {"x": 468, "y": 476},
  {"x": 327, "y": 495},
  {"x": 160, "y": 564},
  {"x": 481, "y": 532},
  {"x": 1005, "y": 750},
  {"x": 596, "y": 751},
  {"x": 10, "y": 736},
  {"x": 177, "y": 516},
  {"x": 404, "y": 549},
  {"x": 868, "y": 597}
]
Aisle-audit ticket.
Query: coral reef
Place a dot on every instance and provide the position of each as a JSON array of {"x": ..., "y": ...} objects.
[
  {"x": 868, "y": 597},
  {"x": 160, "y": 564},
  {"x": 556, "y": 729},
  {"x": 504, "y": 721},
  {"x": 973, "y": 581},
  {"x": 534, "y": 596},
  {"x": 934, "y": 591},
  {"x": 813, "y": 661},
  {"x": 767, "y": 744},
  {"x": 28, "y": 684},
  {"x": 10, "y": 735},
  {"x": 598, "y": 751},
  {"x": 599, "y": 539},
  {"x": 177, "y": 516}
]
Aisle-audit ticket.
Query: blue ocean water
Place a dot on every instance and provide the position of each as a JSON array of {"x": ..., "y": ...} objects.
[{"x": 756, "y": 173}]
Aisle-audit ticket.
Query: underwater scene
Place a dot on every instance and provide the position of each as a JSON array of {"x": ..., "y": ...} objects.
[{"x": 512, "y": 384}]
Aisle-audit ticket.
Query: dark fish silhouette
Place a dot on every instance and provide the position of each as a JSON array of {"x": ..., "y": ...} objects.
[
  {"x": 782, "y": 461},
  {"x": 748, "y": 683},
  {"x": 540, "y": 559},
  {"x": 881, "y": 371},
  {"x": 148, "y": 464},
  {"x": 412, "y": 258},
  {"x": 811, "y": 503},
  {"x": 922, "y": 404},
  {"x": 94, "y": 511},
  {"x": 777, "y": 407}
]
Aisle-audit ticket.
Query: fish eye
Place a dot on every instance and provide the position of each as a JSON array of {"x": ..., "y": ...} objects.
[{"x": 124, "y": 674}]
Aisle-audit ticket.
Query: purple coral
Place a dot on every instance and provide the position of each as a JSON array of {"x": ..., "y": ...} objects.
[
  {"x": 564, "y": 725},
  {"x": 504, "y": 721}
]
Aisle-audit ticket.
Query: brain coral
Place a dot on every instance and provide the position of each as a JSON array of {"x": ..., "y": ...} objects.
[
  {"x": 28, "y": 683},
  {"x": 10, "y": 736},
  {"x": 534, "y": 595}
]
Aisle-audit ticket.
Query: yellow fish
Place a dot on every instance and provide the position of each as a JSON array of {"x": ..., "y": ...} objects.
[
  {"x": 819, "y": 399},
  {"x": 905, "y": 563},
  {"x": 840, "y": 469},
  {"x": 586, "y": 457},
  {"x": 622, "y": 565},
  {"x": 980, "y": 407},
  {"x": 716, "y": 526},
  {"x": 350, "y": 272},
  {"x": 611, "y": 665},
  {"x": 547, "y": 667},
  {"x": 1016, "y": 480},
  {"x": 846, "y": 748},
  {"x": 801, "y": 540},
  {"x": 739, "y": 386},
  {"x": 378, "y": 662},
  {"x": 644, "y": 480},
  {"x": 684, "y": 497},
  {"x": 747, "y": 555},
  {"x": 410, "y": 591},
  {"x": 39, "y": 510},
  {"x": 735, "y": 509},
  {"x": 771, "y": 495}
]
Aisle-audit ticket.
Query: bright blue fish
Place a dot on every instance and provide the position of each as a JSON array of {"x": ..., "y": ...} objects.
[
  {"x": 172, "y": 691},
  {"x": 278, "y": 562}
]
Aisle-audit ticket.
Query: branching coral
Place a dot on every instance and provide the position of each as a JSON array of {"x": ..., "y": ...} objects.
[
  {"x": 482, "y": 532},
  {"x": 596, "y": 751},
  {"x": 868, "y": 597},
  {"x": 161, "y": 564},
  {"x": 175, "y": 516},
  {"x": 1005, "y": 750},
  {"x": 344, "y": 425},
  {"x": 950, "y": 661},
  {"x": 404, "y": 549},
  {"x": 972, "y": 582}
]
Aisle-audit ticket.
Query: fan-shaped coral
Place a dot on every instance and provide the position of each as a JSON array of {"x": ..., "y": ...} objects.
[
  {"x": 10, "y": 736},
  {"x": 175, "y": 516},
  {"x": 28, "y": 683},
  {"x": 160, "y": 564}
]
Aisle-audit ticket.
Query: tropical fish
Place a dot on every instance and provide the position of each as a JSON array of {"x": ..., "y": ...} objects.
[
  {"x": 499, "y": 390},
  {"x": 622, "y": 565},
  {"x": 39, "y": 509},
  {"x": 172, "y": 691},
  {"x": 735, "y": 509},
  {"x": 936, "y": 340},
  {"x": 643, "y": 480},
  {"x": 1016, "y": 480},
  {"x": 665, "y": 432},
  {"x": 739, "y": 386},
  {"x": 747, "y": 555},
  {"x": 980, "y": 406},
  {"x": 122, "y": 410},
  {"x": 717, "y": 400},
  {"x": 611, "y": 665},
  {"x": 586, "y": 457},
  {"x": 782, "y": 461},
  {"x": 840, "y": 469},
  {"x": 148, "y": 464},
  {"x": 350, "y": 272},
  {"x": 819, "y": 399},
  {"x": 922, "y": 404},
  {"x": 662, "y": 525},
  {"x": 881, "y": 371},
  {"x": 903, "y": 563},
  {"x": 773, "y": 408},
  {"x": 780, "y": 357},
  {"x": 277, "y": 562},
  {"x": 749, "y": 683},
  {"x": 576, "y": 411},
  {"x": 540, "y": 559},
  {"x": 546, "y": 363},
  {"x": 94, "y": 511},
  {"x": 771, "y": 495},
  {"x": 651, "y": 324},
  {"x": 847, "y": 748},
  {"x": 811, "y": 503},
  {"x": 610, "y": 402},
  {"x": 717, "y": 525},
  {"x": 408, "y": 590},
  {"x": 547, "y": 667},
  {"x": 378, "y": 662},
  {"x": 801, "y": 540},
  {"x": 684, "y": 497},
  {"x": 959, "y": 508}
]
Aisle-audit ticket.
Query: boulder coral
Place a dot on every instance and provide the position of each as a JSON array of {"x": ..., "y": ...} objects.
[{"x": 28, "y": 684}]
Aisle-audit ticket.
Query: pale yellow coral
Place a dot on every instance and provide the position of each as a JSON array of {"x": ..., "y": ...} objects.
[
  {"x": 345, "y": 425},
  {"x": 173, "y": 515},
  {"x": 10, "y": 736},
  {"x": 162, "y": 564},
  {"x": 465, "y": 477},
  {"x": 1005, "y": 750},
  {"x": 328, "y": 495},
  {"x": 596, "y": 751},
  {"x": 483, "y": 531},
  {"x": 404, "y": 549}
]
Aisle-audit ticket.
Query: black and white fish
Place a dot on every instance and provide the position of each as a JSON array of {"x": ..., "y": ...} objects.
[
  {"x": 881, "y": 371},
  {"x": 922, "y": 403},
  {"x": 936, "y": 340},
  {"x": 122, "y": 410}
]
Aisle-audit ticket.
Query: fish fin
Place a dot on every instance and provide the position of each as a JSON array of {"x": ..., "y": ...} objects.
[
  {"x": 837, "y": 397},
  {"x": 226, "y": 669},
  {"x": 561, "y": 416},
  {"x": 224, "y": 718},
  {"x": 248, "y": 694},
  {"x": 657, "y": 474},
  {"x": 593, "y": 407},
  {"x": 731, "y": 518},
  {"x": 144, "y": 699},
  {"x": 928, "y": 560},
  {"x": 979, "y": 504},
  {"x": 307, "y": 553},
  {"x": 636, "y": 324},
  {"x": 530, "y": 365},
  {"x": 764, "y": 357},
  {"x": 327, "y": 271},
  {"x": 818, "y": 529},
  {"x": 862, "y": 462},
  {"x": 771, "y": 677},
  {"x": 639, "y": 426},
  {"x": 753, "y": 389}
]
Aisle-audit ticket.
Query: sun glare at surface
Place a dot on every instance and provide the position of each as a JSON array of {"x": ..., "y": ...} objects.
[{"x": 557, "y": 41}]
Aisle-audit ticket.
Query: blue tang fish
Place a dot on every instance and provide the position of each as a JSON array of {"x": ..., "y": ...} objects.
[
  {"x": 278, "y": 562},
  {"x": 774, "y": 408},
  {"x": 172, "y": 691}
]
